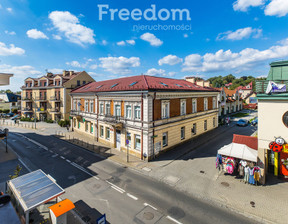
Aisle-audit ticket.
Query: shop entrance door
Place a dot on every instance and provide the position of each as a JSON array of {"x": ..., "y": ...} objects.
[
  {"x": 118, "y": 139},
  {"x": 271, "y": 160}
]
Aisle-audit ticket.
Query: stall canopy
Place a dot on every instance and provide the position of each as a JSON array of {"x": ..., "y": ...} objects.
[
  {"x": 34, "y": 189},
  {"x": 239, "y": 151}
]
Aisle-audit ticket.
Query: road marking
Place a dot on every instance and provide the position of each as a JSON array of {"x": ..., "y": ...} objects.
[
  {"x": 50, "y": 151},
  {"x": 84, "y": 170},
  {"x": 54, "y": 155},
  {"x": 172, "y": 219},
  {"x": 24, "y": 164},
  {"x": 13, "y": 140},
  {"x": 68, "y": 160},
  {"x": 31, "y": 140},
  {"x": 146, "y": 204},
  {"x": 115, "y": 188},
  {"x": 132, "y": 196},
  {"x": 62, "y": 157}
]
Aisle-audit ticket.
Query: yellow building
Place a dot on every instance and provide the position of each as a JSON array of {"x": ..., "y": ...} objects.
[
  {"x": 49, "y": 97},
  {"x": 145, "y": 114}
]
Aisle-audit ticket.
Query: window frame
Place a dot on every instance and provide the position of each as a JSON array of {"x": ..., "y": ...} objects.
[
  {"x": 107, "y": 111},
  {"x": 101, "y": 131},
  {"x": 194, "y": 110},
  {"x": 205, "y": 125},
  {"x": 101, "y": 108},
  {"x": 165, "y": 134},
  {"x": 108, "y": 131},
  {"x": 194, "y": 129},
  {"x": 214, "y": 103},
  {"x": 91, "y": 106},
  {"x": 182, "y": 133},
  {"x": 126, "y": 111},
  {"x": 165, "y": 104},
  {"x": 205, "y": 104},
  {"x": 183, "y": 110},
  {"x": 115, "y": 110},
  {"x": 86, "y": 109},
  {"x": 137, "y": 111},
  {"x": 135, "y": 141}
]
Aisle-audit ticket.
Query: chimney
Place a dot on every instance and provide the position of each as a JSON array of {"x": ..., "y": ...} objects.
[
  {"x": 207, "y": 83},
  {"x": 71, "y": 73},
  {"x": 64, "y": 72},
  {"x": 200, "y": 83},
  {"x": 190, "y": 79}
]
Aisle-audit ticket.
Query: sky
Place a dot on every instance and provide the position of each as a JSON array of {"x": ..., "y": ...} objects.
[{"x": 111, "y": 38}]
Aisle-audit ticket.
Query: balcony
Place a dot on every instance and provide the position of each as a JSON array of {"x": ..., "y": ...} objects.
[
  {"x": 41, "y": 110},
  {"x": 55, "y": 111},
  {"x": 261, "y": 87},
  {"x": 27, "y": 109},
  {"x": 27, "y": 99},
  {"x": 82, "y": 113},
  {"x": 41, "y": 98},
  {"x": 56, "y": 98}
]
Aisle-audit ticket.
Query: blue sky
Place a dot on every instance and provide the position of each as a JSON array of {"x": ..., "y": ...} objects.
[{"x": 230, "y": 36}]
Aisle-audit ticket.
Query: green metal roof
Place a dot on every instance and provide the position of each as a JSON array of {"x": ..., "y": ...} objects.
[{"x": 278, "y": 71}]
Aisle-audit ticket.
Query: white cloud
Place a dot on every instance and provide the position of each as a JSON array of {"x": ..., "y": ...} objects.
[
  {"x": 94, "y": 66},
  {"x": 277, "y": 8},
  {"x": 10, "y": 33},
  {"x": 156, "y": 72},
  {"x": 68, "y": 24},
  {"x": 36, "y": 34},
  {"x": 227, "y": 60},
  {"x": 10, "y": 50},
  {"x": 170, "y": 60},
  {"x": 9, "y": 10},
  {"x": 119, "y": 65},
  {"x": 104, "y": 42},
  {"x": 56, "y": 70},
  {"x": 240, "y": 34},
  {"x": 131, "y": 42},
  {"x": 121, "y": 43},
  {"x": 56, "y": 37},
  {"x": 243, "y": 5},
  {"x": 185, "y": 35},
  {"x": 152, "y": 39},
  {"x": 76, "y": 64}
]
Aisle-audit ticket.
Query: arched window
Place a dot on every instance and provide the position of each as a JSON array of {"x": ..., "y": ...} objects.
[{"x": 285, "y": 119}]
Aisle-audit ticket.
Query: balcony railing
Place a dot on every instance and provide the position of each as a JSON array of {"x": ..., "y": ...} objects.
[
  {"x": 55, "y": 98},
  {"x": 27, "y": 99},
  {"x": 41, "y": 110},
  {"x": 261, "y": 85},
  {"x": 42, "y": 98},
  {"x": 27, "y": 109},
  {"x": 55, "y": 110}
]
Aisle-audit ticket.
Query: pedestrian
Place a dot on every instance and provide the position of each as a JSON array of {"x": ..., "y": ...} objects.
[
  {"x": 67, "y": 127},
  {"x": 14, "y": 121}
]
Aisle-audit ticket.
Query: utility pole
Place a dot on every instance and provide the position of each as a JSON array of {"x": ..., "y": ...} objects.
[{"x": 35, "y": 117}]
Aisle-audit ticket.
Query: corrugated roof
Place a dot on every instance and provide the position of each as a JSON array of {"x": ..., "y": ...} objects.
[
  {"x": 141, "y": 82},
  {"x": 250, "y": 141}
]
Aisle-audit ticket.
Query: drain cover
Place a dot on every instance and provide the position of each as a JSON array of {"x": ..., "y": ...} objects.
[
  {"x": 148, "y": 215},
  {"x": 225, "y": 184}
]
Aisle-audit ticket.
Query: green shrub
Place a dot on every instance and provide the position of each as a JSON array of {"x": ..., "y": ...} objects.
[
  {"x": 6, "y": 111},
  {"x": 1, "y": 110},
  {"x": 14, "y": 111},
  {"x": 63, "y": 123},
  {"x": 28, "y": 119},
  {"x": 49, "y": 121}
]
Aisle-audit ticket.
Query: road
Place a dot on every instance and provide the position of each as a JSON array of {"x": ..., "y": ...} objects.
[{"x": 99, "y": 186}]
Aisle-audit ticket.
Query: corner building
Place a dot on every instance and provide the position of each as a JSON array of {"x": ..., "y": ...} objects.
[{"x": 151, "y": 114}]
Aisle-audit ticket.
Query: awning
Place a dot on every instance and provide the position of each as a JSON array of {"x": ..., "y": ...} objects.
[
  {"x": 239, "y": 151},
  {"x": 34, "y": 189}
]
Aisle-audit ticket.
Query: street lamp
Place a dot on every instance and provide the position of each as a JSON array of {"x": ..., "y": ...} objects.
[{"x": 35, "y": 117}]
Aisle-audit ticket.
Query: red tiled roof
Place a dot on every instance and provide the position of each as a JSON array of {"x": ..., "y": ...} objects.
[
  {"x": 245, "y": 87},
  {"x": 250, "y": 141},
  {"x": 141, "y": 82}
]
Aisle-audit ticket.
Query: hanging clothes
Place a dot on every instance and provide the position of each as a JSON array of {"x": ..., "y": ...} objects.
[
  {"x": 246, "y": 174},
  {"x": 257, "y": 174},
  {"x": 241, "y": 170},
  {"x": 251, "y": 176}
]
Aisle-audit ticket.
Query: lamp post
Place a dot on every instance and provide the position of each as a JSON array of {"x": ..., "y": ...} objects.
[{"x": 35, "y": 117}]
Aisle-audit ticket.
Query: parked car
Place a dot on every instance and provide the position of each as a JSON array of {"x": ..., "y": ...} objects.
[
  {"x": 254, "y": 122},
  {"x": 10, "y": 115},
  {"x": 242, "y": 122},
  {"x": 16, "y": 117}
]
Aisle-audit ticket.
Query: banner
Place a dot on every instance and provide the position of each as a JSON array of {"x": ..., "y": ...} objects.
[{"x": 275, "y": 88}]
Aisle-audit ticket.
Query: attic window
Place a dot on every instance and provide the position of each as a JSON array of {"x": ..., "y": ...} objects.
[
  {"x": 114, "y": 85},
  {"x": 133, "y": 83},
  {"x": 178, "y": 85},
  {"x": 163, "y": 84},
  {"x": 86, "y": 88},
  {"x": 188, "y": 86},
  {"x": 98, "y": 87}
]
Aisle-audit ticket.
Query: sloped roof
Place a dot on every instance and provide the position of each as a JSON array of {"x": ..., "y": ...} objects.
[
  {"x": 228, "y": 92},
  {"x": 141, "y": 82},
  {"x": 278, "y": 71},
  {"x": 250, "y": 141},
  {"x": 245, "y": 87}
]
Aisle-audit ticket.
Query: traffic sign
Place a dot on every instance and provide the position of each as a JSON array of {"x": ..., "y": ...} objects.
[
  {"x": 127, "y": 142},
  {"x": 101, "y": 220}
]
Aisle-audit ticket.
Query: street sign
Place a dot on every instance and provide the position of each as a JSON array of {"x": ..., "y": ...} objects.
[
  {"x": 101, "y": 220},
  {"x": 154, "y": 136},
  {"x": 127, "y": 142}
]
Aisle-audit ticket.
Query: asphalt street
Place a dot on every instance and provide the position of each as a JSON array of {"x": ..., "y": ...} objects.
[{"x": 100, "y": 186}]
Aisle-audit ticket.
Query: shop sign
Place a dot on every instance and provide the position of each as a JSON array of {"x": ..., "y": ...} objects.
[
  {"x": 277, "y": 145},
  {"x": 285, "y": 148}
]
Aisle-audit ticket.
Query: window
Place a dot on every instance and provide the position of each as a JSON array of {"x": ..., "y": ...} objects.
[
  {"x": 137, "y": 142},
  {"x": 183, "y": 107},
  {"x": 117, "y": 110},
  {"x": 91, "y": 128},
  {"x": 128, "y": 137},
  {"x": 165, "y": 109},
  {"x": 101, "y": 131},
  {"x": 214, "y": 122},
  {"x": 108, "y": 133},
  {"x": 107, "y": 108},
  {"x": 214, "y": 103},
  {"x": 182, "y": 133},
  {"x": 84, "y": 82},
  {"x": 194, "y": 106},
  {"x": 137, "y": 112},
  {"x": 285, "y": 119},
  {"x": 193, "y": 130},
  {"x": 86, "y": 106},
  {"x": 128, "y": 111},
  {"x": 91, "y": 106},
  {"x": 205, "y": 104},
  {"x": 75, "y": 121},
  {"x": 165, "y": 139},
  {"x": 114, "y": 85},
  {"x": 26, "y": 84},
  {"x": 78, "y": 82},
  {"x": 205, "y": 125},
  {"x": 133, "y": 83},
  {"x": 101, "y": 108},
  {"x": 86, "y": 126},
  {"x": 163, "y": 84},
  {"x": 78, "y": 124}
]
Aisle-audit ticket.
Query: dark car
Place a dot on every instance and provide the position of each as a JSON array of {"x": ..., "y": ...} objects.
[
  {"x": 254, "y": 122},
  {"x": 9, "y": 115},
  {"x": 242, "y": 123}
]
